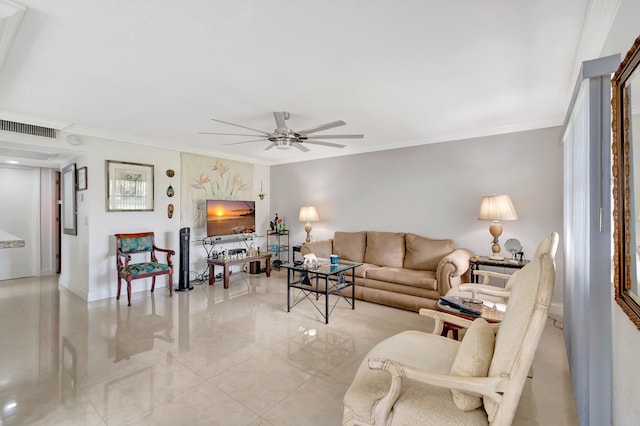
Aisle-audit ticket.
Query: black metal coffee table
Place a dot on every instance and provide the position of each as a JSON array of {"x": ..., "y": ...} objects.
[{"x": 325, "y": 280}]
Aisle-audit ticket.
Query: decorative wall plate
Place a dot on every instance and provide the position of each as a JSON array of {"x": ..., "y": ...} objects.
[
  {"x": 170, "y": 211},
  {"x": 170, "y": 191},
  {"x": 170, "y": 173}
]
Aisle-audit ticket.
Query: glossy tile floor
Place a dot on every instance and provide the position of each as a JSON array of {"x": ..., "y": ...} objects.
[{"x": 210, "y": 356}]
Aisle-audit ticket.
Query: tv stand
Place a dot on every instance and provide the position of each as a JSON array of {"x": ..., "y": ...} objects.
[
  {"x": 230, "y": 238},
  {"x": 226, "y": 264}
]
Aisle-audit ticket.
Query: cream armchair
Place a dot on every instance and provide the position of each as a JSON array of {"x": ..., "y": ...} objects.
[
  {"x": 421, "y": 378},
  {"x": 486, "y": 292}
]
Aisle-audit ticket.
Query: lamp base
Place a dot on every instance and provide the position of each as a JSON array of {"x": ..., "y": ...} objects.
[
  {"x": 495, "y": 229},
  {"x": 307, "y": 228}
]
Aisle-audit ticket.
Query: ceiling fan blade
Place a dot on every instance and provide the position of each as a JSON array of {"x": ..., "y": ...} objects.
[
  {"x": 335, "y": 145},
  {"x": 280, "y": 118},
  {"x": 322, "y": 127},
  {"x": 226, "y": 134},
  {"x": 252, "y": 140},
  {"x": 244, "y": 127},
  {"x": 339, "y": 136},
  {"x": 300, "y": 147},
  {"x": 270, "y": 146}
]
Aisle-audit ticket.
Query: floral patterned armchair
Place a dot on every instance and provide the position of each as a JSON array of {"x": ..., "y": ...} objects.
[{"x": 140, "y": 243}]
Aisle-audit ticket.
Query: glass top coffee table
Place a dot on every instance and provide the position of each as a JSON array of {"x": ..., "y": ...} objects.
[{"x": 325, "y": 280}]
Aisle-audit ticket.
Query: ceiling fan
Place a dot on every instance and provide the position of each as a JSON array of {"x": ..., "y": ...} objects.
[{"x": 284, "y": 138}]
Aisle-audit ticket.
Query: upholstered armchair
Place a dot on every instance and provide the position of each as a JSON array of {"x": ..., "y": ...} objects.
[
  {"x": 486, "y": 292},
  {"x": 421, "y": 378},
  {"x": 141, "y": 243}
]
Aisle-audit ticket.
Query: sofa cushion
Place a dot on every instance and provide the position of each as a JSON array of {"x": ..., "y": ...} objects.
[
  {"x": 424, "y": 253},
  {"x": 361, "y": 271},
  {"x": 473, "y": 360},
  {"x": 409, "y": 277},
  {"x": 350, "y": 245},
  {"x": 385, "y": 248}
]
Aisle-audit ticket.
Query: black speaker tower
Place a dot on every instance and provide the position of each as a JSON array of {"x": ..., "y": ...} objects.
[{"x": 183, "y": 282}]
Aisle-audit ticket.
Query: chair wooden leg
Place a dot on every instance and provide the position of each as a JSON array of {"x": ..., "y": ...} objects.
[
  {"x": 119, "y": 286},
  {"x": 129, "y": 292},
  {"x": 153, "y": 283},
  {"x": 170, "y": 285}
]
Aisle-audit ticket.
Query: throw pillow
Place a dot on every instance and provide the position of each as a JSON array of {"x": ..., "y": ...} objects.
[
  {"x": 473, "y": 360},
  {"x": 424, "y": 253}
]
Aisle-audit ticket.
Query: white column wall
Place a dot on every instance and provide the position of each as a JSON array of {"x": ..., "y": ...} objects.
[
  {"x": 89, "y": 268},
  {"x": 48, "y": 223}
]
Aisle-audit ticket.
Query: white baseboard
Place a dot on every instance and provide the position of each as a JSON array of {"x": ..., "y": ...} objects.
[{"x": 81, "y": 293}]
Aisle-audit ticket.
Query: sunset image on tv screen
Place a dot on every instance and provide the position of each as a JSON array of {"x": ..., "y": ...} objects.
[{"x": 229, "y": 217}]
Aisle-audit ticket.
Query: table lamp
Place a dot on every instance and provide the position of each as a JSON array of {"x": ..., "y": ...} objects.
[
  {"x": 308, "y": 214},
  {"x": 496, "y": 208}
]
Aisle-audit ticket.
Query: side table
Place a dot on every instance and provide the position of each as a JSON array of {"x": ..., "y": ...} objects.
[
  {"x": 476, "y": 262},
  {"x": 491, "y": 314}
]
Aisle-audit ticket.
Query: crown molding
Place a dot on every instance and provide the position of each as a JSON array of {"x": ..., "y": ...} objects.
[
  {"x": 78, "y": 130},
  {"x": 154, "y": 143},
  {"x": 11, "y": 15},
  {"x": 443, "y": 137}
]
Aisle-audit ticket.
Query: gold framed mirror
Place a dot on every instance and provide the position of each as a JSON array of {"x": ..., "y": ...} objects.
[{"x": 626, "y": 178}]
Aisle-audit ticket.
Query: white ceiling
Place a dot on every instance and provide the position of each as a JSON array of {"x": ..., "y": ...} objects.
[{"x": 402, "y": 72}]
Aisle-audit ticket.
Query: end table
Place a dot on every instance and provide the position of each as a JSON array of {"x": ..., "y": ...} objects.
[{"x": 476, "y": 262}]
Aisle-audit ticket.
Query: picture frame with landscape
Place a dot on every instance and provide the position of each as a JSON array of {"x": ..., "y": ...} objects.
[{"x": 129, "y": 186}]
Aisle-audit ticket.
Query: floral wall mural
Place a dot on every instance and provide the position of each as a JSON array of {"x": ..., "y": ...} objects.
[{"x": 209, "y": 178}]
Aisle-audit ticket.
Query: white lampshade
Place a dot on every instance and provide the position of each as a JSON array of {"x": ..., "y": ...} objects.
[
  {"x": 497, "y": 207},
  {"x": 308, "y": 214}
]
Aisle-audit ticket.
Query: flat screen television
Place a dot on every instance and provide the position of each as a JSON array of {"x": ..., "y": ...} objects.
[{"x": 230, "y": 217}]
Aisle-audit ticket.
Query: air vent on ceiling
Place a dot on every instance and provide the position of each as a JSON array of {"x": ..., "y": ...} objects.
[{"x": 28, "y": 129}]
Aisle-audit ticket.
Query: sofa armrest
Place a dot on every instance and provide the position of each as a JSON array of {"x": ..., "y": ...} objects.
[
  {"x": 452, "y": 268},
  {"x": 321, "y": 248}
]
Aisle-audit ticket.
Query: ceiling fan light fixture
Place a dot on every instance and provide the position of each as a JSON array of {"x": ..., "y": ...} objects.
[
  {"x": 284, "y": 138},
  {"x": 281, "y": 142}
]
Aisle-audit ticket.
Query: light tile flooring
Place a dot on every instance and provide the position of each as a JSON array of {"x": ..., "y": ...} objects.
[{"x": 210, "y": 356}]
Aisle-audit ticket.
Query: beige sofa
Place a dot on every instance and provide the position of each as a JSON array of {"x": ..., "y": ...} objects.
[{"x": 405, "y": 271}]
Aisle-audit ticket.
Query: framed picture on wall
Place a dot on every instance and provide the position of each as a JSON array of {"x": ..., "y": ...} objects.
[
  {"x": 82, "y": 178},
  {"x": 69, "y": 224},
  {"x": 129, "y": 186}
]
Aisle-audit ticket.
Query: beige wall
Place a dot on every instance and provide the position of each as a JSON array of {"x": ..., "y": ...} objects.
[{"x": 432, "y": 190}]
